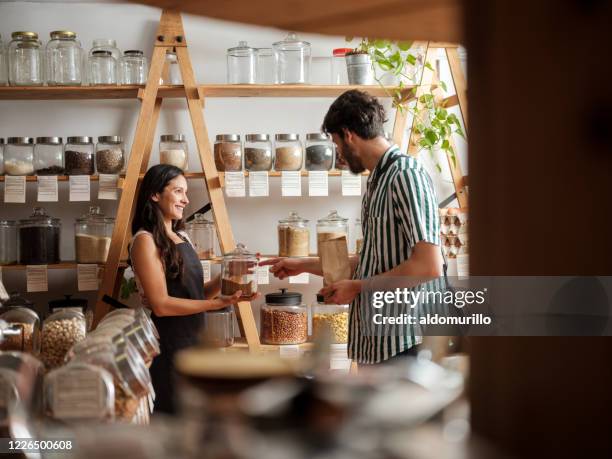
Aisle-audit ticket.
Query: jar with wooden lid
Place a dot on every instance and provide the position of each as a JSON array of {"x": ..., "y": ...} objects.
[
  {"x": 218, "y": 328},
  {"x": 293, "y": 236}
]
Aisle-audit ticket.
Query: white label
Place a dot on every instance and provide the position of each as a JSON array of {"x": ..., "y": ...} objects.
[
  {"x": 351, "y": 184},
  {"x": 289, "y": 351},
  {"x": 291, "y": 183},
  {"x": 299, "y": 279},
  {"x": 234, "y": 185},
  {"x": 263, "y": 275},
  {"x": 463, "y": 266},
  {"x": 258, "y": 184},
  {"x": 79, "y": 188},
  {"x": 340, "y": 364},
  {"x": 36, "y": 276},
  {"x": 107, "y": 186},
  {"x": 78, "y": 394},
  {"x": 87, "y": 277},
  {"x": 318, "y": 183},
  {"x": 15, "y": 188},
  {"x": 206, "y": 269},
  {"x": 47, "y": 188}
]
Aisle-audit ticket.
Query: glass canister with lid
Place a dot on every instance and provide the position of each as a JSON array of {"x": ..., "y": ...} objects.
[
  {"x": 173, "y": 150},
  {"x": 219, "y": 328},
  {"x": 241, "y": 64},
  {"x": 133, "y": 67},
  {"x": 258, "y": 152},
  {"x": 19, "y": 156},
  {"x": 92, "y": 235},
  {"x": 39, "y": 238},
  {"x": 20, "y": 312},
  {"x": 239, "y": 272},
  {"x": 102, "y": 68},
  {"x": 49, "y": 156},
  {"x": 228, "y": 152},
  {"x": 284, "y": 318},
  {"x": 330, "y": 320},
  {"x": 78, "y": 304},
  {"x": 60, "y": 331},
  {"x": 8, "y": 242},
  {"x": 293, "y": 236},
  {"x": 79, "y": 156},
  {"x": 202, "y": 234},
  {"x": 25, "y": 60},
  {"x": 64, "y": 57},
  {"x": 331, "y": 227},
  {"x": 110, "y": 154},
  {"x": 289, "y": 154},
  {"x": 319, "y": 152},
  {"x": 292, "y": 57},
  {"x": 266, "y": 72}
]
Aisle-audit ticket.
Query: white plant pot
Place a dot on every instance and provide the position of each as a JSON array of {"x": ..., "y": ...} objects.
[{"x": 359, "y": 69}]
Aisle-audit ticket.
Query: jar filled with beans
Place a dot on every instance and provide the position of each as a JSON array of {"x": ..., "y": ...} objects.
[
  {"x": 284, "y": 318},
  {"x": 60, "y": 331}
]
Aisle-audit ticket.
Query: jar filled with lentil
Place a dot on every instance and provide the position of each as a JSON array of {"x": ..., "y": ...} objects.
[
  {"x": 319, "y": 152},
  {"x": 60, "y": 331},
  {"x": 288, "y": 152},
  {"x": 202, "y": 234},
  {"x": 228, "y": 152},
  {"x": 39, "y": 238},
  {"x": 239, "y": 272},
  {"x": 331, "y": 227},
  {"x": 79, "y": 156},
  {"x": 258, "y": 152},
  {"x": 19, "y": 312},
  {"x": 110, "y": 154},
  {"x": 173, "y": 150},
  {"x": 49, "y": 156},
  {"x": 284, "y": 318},
  {"x": 330, "y": 321},
  {"x": 293, "y": 236},
  {"x": 19, "y": 156}
]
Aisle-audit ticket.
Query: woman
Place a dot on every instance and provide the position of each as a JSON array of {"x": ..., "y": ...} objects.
[{"x": 169, "y": 274}]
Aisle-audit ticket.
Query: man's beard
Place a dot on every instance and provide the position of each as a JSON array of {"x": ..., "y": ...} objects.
[{"x": 354, "y": 162}]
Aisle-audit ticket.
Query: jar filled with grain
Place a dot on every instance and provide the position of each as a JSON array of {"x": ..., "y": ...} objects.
[
  {"x": 258, "y": 152},
  {"x": 19, "y": 312},
  {"x": 173, "y": 150},
  {"x": 331, "y": 227},
  {"x": 288, "y": 152},
  {"x": 228, "y": 152},
  {"x": 110, "y": 154},
  {"x": 60, "y": 331},
  {"x": 239, "y": 272},
  {"x": 92, "y": 236},
  {"x": 330, "y": 321},
  {"x": 319, "y": 152},
  {"x": 284, "y": 318},
  {"x": 79, "y": 156},
  {"x": 49, "y": 156},
  {"x": 293, "y": 236},
  {"x": 218, "y": 328},
  {"x": 39, "y": 239},
  {"x": 19, "y": 156},
  {"x": 202, "y": 234}
]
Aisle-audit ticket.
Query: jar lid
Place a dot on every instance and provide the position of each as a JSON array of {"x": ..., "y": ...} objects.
[
  {"x": 110, "y": 139},
  {"x": 257, "y": 137},
  {"x": 317, "y": 136},
  {"x": 40, "y": 217},
  {"x": 172, "y": 138},
  {"x": 49, "y": 140},
  {"x": 242, "y": 48},
  {"x": 332, "y": 217},
  {"x": 16, "y": 300},
  {"x": 102, "y": 52},
  {"x": 228, "y": 138},
  {"x": 65, "y": 34},
  {"x": 20, "y": 140},
  {"x": 68, "y": 302},
  {"x": 284, "y": 298},
  {"x": 265, "y": 51},
  {"x": 293, "y": 218},
  {"x": 95, "y": 215},
  {"x": 287, "y": 137},
  {"x": 341, "y": 52},
  {"x": 80, "y": 140},
  {"x": 291, "y": 41},
  {"x": 133, "y": 52},
  {"x": 21, "y": 35},
  {"x": 200, "y": 219},
  {"x": 239, "y": 252}
]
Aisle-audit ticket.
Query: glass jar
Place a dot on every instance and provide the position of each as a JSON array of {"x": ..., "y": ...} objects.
[
  {"x": 1, "y": 155},
  {"x": 330, "y": 320},
  {"x": 102, "y": 68},
  {"x": 60, "y": 331},
  {"x": 172, "y": 74},
  {"x": 331, "y": 227},
  {"x": 288, "y": 152},
  {"x": 339, "y": 74},
  {"x": 64, "y": 59},
  {"x": 241, "y": 64},
  {"x": 19, "y": 156},
  {"x": 284, "y": 318},
  {"x": 239, "y": 272},
  {"x": 133, "y": 68},
  {"x": 202, "y": 234},
  {"x": 110, "y": 154},
  {"x": 293, "y": 236},
  {"x": 3, "y": 64},
  {"x": 151, "y": 344},
  {"x": 8, "y": 242},
  {"x": 358, "y": 236},
  {"x": 19, "y": 312},
  {"x": 49, "y": 156},
  {"x": 105, "y": 44},
  {"x": 173, "y": 150},
  {"x": 134, "y": 371},
  {"x": 77, "y": 304},
  {"x": 258, "y": 152},
  {"x": 228, "y": 152},
  {"x": 25, "y": 60},
  {"x": 39, "y": 239},
  {"x": 319, "y": 152},
  {"x": 292, "y": 59},
  {"x": 266, "y": 73},
  {"x": 79, "y": 156},
  {"x": 219, "y": 328},
  {"x": 92, "y": 236}
]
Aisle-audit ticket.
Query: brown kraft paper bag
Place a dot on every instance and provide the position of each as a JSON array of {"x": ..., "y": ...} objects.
[{"x": 335, "y": 260}]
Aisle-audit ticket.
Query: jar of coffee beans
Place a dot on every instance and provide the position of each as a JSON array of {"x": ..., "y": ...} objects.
[{"x": 79, "y": 156}]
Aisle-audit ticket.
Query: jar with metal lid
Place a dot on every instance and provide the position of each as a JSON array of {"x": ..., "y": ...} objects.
[
  {"x": 330, "y": 321},
  {"x": 64, "y": 57},
  {"x": 293, "y": 236},
  {"x": 266, "y": 72},
  {"x": 173, "y": 150},
  {"x": 102, "y": 68},
  {"x": 319, "y": 152},
  {"x": 258, "y": 152},
  {"x": 218, "y": 328},
  {"x": 1, "y": 156},
  {"x": 288, "y": 152},
  {"x": 49, "y": 156},
  {"x": 358, "y": 236},
  {"x": 292, "y": 57},
  {"x": 8, "y": 242},
  {"x": 284, "y": 318},
  {"x": 133, "y": 67},
  {"x": 239, "y": 272},
  {"x": 110, "y": 154},
  {"x": 241, "y": 64},
  {"x": 19, "y": 312},
  {"x": 92, "y": 235},
  {"x": 25, "y": 60},
  {"x": 330, "y": 228},
  {"x": 79, "y": 156},
  {"x": 19, "y": 156},
  {"x": 60, "y": 331},
  {"x": 202, "y": 234},
  {"x": 3, "y": 65},
  {"x": 228, "y": 152},
  {"x": 39, "y": 238}
]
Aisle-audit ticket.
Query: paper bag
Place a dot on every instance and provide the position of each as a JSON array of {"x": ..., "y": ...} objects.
[{"x": 335, "y": 260}]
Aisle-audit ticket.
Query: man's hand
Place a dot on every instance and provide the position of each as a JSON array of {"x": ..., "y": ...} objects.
[
  {"x": 341, "y": 292},
  {"x": 285, "y": 267}
]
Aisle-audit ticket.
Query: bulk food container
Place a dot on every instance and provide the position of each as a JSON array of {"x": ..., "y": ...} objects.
[
  {"x": 331, "y": 227},
  {"x": 25, "y": 60},
  {"x": 39, "y": 238},
  {"x": 202, "y": 234},
  {"x": 293, "y": 236},
  {"x": 19, "y": 156},
  {"x": 8, "y": 242},
  {"x": 258, "y": 152},
  {"x": 64, "y": 56},
  {"x": 19, "y": 312},
  {"x": 110, "y": 154},
  {"x": 239, "y": 272},
  {"x": 60, "y": 331},
  {"x": 228, "y": 152},
  {"x": 49, "y": 156},
  {"x": 284, "y": 318},
  {"x": 289, "y": 154},
  {"x": 92, "y": 235},
  {"x": 330, "y": 321},
  {"x": 79, "y": 156},
  {"x": 241, "y": 64},
  {"x": 173, "y": 150}
]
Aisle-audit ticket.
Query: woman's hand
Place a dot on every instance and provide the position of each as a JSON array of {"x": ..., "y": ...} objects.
[
  {"x": 285, "y": 267},
  {"x": 224, "y": 301}
]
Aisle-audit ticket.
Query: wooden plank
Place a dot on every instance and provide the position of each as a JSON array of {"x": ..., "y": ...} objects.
[
  {"x": 425, "y": 84},
  {"x": 452, "y": 54}
]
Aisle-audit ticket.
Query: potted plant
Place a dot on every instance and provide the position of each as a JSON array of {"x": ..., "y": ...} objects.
[{"x": 359, "y": 65}]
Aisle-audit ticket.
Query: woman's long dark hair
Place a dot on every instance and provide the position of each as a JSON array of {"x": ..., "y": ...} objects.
[{"x": 148, "y": 216}]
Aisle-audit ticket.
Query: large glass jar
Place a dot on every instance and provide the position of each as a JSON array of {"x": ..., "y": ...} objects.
[
  {"x": 78, "y": 304},
  {"x": 266, "y": 72},
  {"x": 202, "y": 234},
  {"x": 258, "y": 152},
  {"x": 284, "y": 318},
  {"x": 3, "y": 64},
  {"x": 330, "y": 320},
  {"x": 292, "y": 57},
  {"x": 173, "y": 150},
  {"x": 25, "y": 60},
  {"x": 293, "y": 236},
  {"x": 92, "y": 235},
  {"x": 219, "y": 328},
  {"x": 110, "y": 154},
  {"x": 19, "y": 312},
  {"x": 228, "y": 152},
  {"x": 319, "y": 152},
  {"x": 358, "y": 236},
  {"x": 1, "y": 156},
  {"x": 339, "y": 73},
  {"x": 288, "y": 152},
  {"x": 241, "y": 64},
  {"x": 79, "y": 156},
  {"x": 60, "y": 331},
  {"x": 102, "y": 68},
  {"x": 64, "y": 59},
  {"x": 39, "y": 239},
  {"x": 19, "y": 156},
  {"x": 133, "y": 67},
  {"x": 8, "y": 242},
  {"x": 330, "y": 228},
  {"x": 49, "y": 156},
  {"x": 239, "y": 272}
]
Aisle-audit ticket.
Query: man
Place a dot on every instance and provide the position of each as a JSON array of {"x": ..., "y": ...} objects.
[{"x": 400, "y": 225}]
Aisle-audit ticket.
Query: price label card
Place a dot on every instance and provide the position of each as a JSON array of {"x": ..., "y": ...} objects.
[
  {"x": 78, "y": 393},
  {"x": 299, "y": 279},
  {"x": 234, "y": 185},
  {"x": 289, "y": 351},
  {"x": 263, "y": 275},
  {"x": 318, "y": 183},
  {"x": 351, "y": 184},
  {"x": 15, "y": 188},
  {"x": 36, "y": 277},
  {"x": 47, "y": 188},
  {"x": 80, "y": 188},
  {"x": 291, "y": 183},
  {"x": 87, "y": 277},
  {"x": 107, "y": 186},
  {"x": 206, "y": 269},
  {"x": 258, "y": 184},
  {"x": 463, "y": 266}
]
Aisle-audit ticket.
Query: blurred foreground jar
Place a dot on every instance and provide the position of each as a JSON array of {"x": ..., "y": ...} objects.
[
  {"x": 60, "y": 331},
  {"x": 18, "y": 311},
  {"x": 64, "y": 57},
  {"x": 25, "y": 59}
]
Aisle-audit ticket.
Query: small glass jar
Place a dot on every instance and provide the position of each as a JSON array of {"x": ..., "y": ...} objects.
[
  {"x": 288, "y": 152},
  {"x": 102, "y": 68},
  {"x": 3, "y": 64},
  {"x": 92, "y": 235},
  {"x": 60, "y": 331},
  {"x": 239, "y": 272},
  {"x": 319, "y": 152},
  {"x": 172, "y": 75},
  {"x": 358, "y": 236},
  {"x": 292, "y": 57},
  {"x": 19, "y": 156},
  {"x": 202, "y": 234},
  {"x": 105, "y": 44},
  {"x": 258, "y": 152},
  {"x": 19, "y": 312},
  {"x": 284, "y": 318},
  {"x": 330, "y": 228},
  {"x": 293, "y": 236},
  {"x": 218, "y": 328},
  {"x": 339, "y": 75},
  {"x": 49, "y": 156},
  {"x": 1, "y": 156},
  {"x": 79, "y": 156},
  {"x": 64, "y": 56},
  {"x": 241, "y": 64},
  {"x": 8, "y": 242},
  {"x": 133, "y": 68},
  {"x": 330, "y": 320},
  {"x": 110, "y": 154},
  {"x": 173, "y": 150},
  {"x": 39, "y": 239},
  {"x": 228, "y": 152},
  {"x": 266, "y": 73},
  {"x": 25, "y": 60}
]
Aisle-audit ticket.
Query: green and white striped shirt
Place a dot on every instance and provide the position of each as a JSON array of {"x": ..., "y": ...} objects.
[{"x": 398, "y": 210}]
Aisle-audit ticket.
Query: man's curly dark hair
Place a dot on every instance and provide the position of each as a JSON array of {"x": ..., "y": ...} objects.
[{"x": 358, "y": 112}]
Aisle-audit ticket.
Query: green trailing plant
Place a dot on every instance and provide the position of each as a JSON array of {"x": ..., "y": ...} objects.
[{"x": 128, "y": 286}]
